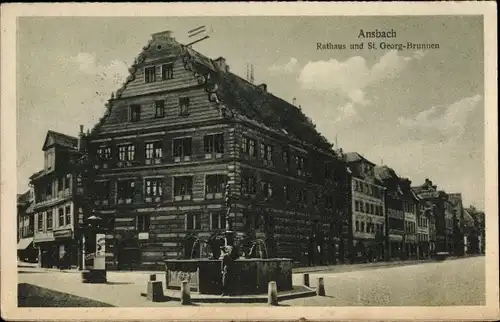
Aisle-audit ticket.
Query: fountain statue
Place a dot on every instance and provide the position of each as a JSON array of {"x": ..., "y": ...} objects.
[{"x": 233, "y": 267}]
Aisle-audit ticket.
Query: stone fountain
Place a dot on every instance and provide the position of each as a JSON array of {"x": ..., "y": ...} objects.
[{"x": 250, "y": 273}]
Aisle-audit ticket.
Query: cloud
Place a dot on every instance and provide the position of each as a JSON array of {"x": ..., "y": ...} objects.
[
  {"x": 450, "y": 123},
  {"x": 346, "y": 111},
  {"x": 352, "y": 76},
  {"x": 114, "y": 72},
  {"x": 287, "y": 68}
]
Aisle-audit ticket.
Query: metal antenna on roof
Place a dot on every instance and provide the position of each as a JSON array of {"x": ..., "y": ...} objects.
[
  {"x": 195, "y": 32},
  {"x": 248, "y": 72},
  {"x": 294, "y": 100},
  {"x": 336, "y": 140},
  {"x": 251, "y": 74}
]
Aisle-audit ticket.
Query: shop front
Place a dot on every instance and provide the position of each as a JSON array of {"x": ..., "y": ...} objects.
[
  {"x": 396, "y": 247},
  {"x": 25, "y": 250},
  {"x": 67, "y": 248}
]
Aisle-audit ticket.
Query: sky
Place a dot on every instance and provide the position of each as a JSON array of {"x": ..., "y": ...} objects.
[{"x": 420, "y": 112}]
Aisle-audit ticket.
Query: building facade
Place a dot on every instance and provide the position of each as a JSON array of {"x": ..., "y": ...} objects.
[
  {"x": 425, "y": 221},
  {"x": 25, "y": 227},
  {"x": 54, "y": 222},
  {"x": 395, "y": 214},
  {"x": 458, "y": 237},
  {"x": 181, "y": 128},
  {"x": 440, "y": 212},
  {"x": 368, "y": 209},
  {"x": 410, "y": 208}
]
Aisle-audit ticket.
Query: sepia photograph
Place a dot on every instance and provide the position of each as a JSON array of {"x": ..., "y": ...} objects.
[{"x": 252, "y": 162}]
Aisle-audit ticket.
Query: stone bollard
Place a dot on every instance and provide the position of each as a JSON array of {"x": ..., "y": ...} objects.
[
  {"x": 155, "y": 291},
  {"x": 306, "y": 279},
  {"x": 272, "y": 294},
  {"x": 185, "y": 293},
  {"x": 152, "y": 277},
  {"x": 320, "y": 291}
]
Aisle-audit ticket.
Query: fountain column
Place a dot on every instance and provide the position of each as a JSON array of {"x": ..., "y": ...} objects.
[{"x": 229, "y": 233}]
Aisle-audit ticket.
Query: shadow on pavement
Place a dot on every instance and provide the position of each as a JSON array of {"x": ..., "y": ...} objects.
[
  {"x": 34, "y": 296},
  {"x": 118, "y": 283}
]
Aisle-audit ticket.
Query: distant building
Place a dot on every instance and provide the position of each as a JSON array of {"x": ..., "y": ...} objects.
[
  {"x": 180, "y": 129},
  {"x": 25, "y": 221},
  {"x": 479, "y": 229},
  {"x": 410, "y": 208},
  {"x": 400, "y": 201},
  {"x": 439, "y": 210},
  {"x": 54, "y": 207},
  {"x": 368, "y": 209},
  {"x": 459, "y": 241}
]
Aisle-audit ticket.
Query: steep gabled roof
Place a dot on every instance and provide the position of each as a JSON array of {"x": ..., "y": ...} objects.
[
  {"x": 355, "y": 157},
  {"x": 23, "y": 198},
  {"x": 245, "y": 100},
  {"x": 60, "y": 139}
]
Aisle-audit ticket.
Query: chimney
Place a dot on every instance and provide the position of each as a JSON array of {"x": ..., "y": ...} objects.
[
  {"x": 221, "y": 64},
  {"x": 263, "y": 88},
  {"x": 162, "y": 34},
  {"x": 80, "y": 139}
]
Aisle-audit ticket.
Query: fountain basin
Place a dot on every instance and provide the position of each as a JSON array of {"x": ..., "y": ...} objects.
[{"x": 249, "y": 276}]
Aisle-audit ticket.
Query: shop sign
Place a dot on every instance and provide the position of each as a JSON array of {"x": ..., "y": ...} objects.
[
  {"x": 143, "y": 236},
  {"x": 63, "y": 233}
]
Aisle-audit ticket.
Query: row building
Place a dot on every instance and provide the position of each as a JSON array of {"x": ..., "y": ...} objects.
[{"x": 183, "y": 128}]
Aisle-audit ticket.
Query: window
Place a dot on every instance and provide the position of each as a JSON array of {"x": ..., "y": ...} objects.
[
  {"x": 40, "y": 221},
  {"x": 125, "y": 190},
  {"x": 266, "y": 188},
  {"x": 104, "y": 153},
  {"x": 102, "y": 190},
  {"x": 329, "y": 201},
  {"x": 217, "y": 221},
  {"x": 285, "y": 154},
  {"x": 150, "y": 74},
  {"x": 154, "y": 150},
  {"x": 143, "y": 222},
  {"x": 362, "y": 226},
  {"x": 302, "y": 196},
  {"x": 266, "y": 153},
  {"x": 167, "y": 71},
  {"x": 357, "y": 225},
  {"x": 182, "y": 149},
  {"x": 356, "y": 203},
  {"x": 286, "y": 193},
  {"x": 213, "y": 144},
  {"x": 68, "y": 215},
  {"x": 183, "y": 188},
  {"x": 214, "y": 184},
  {"x": 193, "y": 221},
  {"x": 126, "y": 152},
  {"x": 372, "y": 209},
  {"x": 367, "y": 208},
  {"x": 248, "y": 147},
  {"x": 48, "y": 189},
  {"x": 159, "y": 108},
  {"x": 61, "y": 216},
  {"x": 183, "y": 105},
  {"x": 361, "y": 209},
  {"x": 300, "y": 165},
  {"x": 248, "y": 185},
  {"x": 60, "y": 184},
  {"x": 135, "y": 113},
  {"x": 153, "y": 187}
]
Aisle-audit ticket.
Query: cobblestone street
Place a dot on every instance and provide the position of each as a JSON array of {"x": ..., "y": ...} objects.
[{"x": 452, "y": 282}]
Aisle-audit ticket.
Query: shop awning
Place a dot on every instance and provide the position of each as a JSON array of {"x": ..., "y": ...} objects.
[{"x": 24, "y": 243}]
